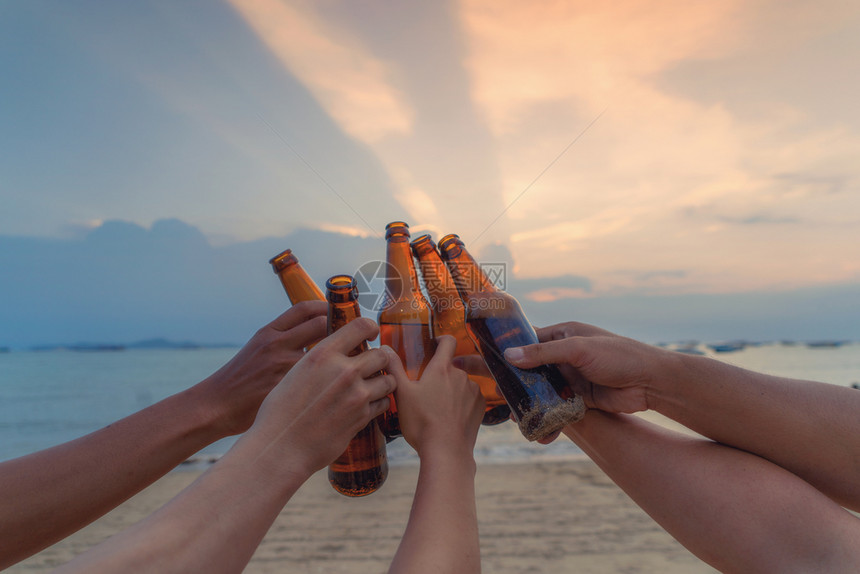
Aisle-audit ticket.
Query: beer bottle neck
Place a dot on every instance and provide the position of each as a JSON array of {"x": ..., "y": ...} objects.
[
  {"x": 341, "y": 313},
  {"x": 401, "y": 278},
  {"x": 440, "y": 286},
  {"x": 343, "y": 306},
  {"x": 298, "y": 285},
  {"x": 467, "y": 274}
]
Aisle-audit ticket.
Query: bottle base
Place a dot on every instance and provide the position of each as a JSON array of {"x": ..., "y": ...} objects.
[
  {"x": 539, "y": 422},
  {"x": 358, "y": 482},
  {"x": 496, "y": 415}
]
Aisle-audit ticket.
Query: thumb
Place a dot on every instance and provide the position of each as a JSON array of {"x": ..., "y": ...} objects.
[{"x": 529, "y": 356}]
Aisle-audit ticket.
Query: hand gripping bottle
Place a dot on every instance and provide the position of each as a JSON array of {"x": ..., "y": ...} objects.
[
  {"x": 448, "y": 318},
  {"x": 540, "y": 399},
  {"x": 363, "y": 466}
]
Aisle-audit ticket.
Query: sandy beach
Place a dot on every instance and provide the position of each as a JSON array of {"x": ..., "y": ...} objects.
[{"x": 547, "y": 517}]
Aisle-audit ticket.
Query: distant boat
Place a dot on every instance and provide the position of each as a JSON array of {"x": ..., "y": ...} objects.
[
  {"x": 824, "y": 344},
  {"x": 689, "y": 347},
  {"x": 726, "y": 347},
  {"x": 690, "y": 351}
]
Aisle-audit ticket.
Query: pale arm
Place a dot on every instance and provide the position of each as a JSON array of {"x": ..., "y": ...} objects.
[
  {"x": 216, "y": 523},
  {"x": 440, "y": 415},
  {"x": 734, "y": 510},
  {"x": 52, "y": 493}
]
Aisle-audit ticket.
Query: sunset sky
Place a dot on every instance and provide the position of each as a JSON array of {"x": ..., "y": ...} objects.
[{"x": 663, "y": 148}]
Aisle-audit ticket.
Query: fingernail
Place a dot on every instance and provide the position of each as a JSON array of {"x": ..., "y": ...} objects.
[{"x": 514, "y": 354}]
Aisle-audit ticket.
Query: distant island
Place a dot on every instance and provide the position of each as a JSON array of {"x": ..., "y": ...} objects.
[
  {"x": 697, "y": 348},
  {"x": 156, "y": 343}
]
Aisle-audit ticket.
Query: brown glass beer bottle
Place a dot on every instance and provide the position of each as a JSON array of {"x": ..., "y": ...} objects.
[
  {"x": 363, "y": 466},
  {"x": 540, "y": 399},
  {"x": 448, "y": 318},
  {"x": 297, "y": 283},
  {"x": 404, "y": 319}
]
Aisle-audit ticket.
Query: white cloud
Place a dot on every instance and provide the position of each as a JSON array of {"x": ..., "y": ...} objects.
[
  {"x": 346, "y": 79},
  {"x": 351, "y": 231}
]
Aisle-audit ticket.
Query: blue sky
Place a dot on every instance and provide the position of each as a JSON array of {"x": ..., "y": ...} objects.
[{"x": 660, "y": 150}]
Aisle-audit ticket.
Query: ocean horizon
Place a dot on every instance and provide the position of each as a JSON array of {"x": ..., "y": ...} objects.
[{"x": 50, "y": 397}]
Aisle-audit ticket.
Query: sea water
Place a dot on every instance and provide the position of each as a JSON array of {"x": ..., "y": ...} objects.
[{"x": 50, "y": 397}]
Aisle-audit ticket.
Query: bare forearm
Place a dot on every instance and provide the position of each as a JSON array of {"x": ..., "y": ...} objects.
[
  {"x": 733, "y": 509},
  {"x": 810, "y": 429},
  {"x": 443, "y": 517},
  {"x": 52, "y": 493},
  {"x": 214, "y": 525}
]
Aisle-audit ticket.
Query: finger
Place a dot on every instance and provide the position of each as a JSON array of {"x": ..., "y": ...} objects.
[
  {"x": 395, "y": 366},
  {"x": 305, "y": 333},
  {"x": 472, "y": 364},
  {"x": 381, "y": 386},
  {"x": 549, "y": 438},
  {"x": 351, "y": 335},
  {"x": 445, "y": 347},
  {"x": 379, "y": 406},
  {"x": 569, "y": 329},
  {"x": 371, "y": 362},
  {"x": 298, "y": 314},
  {"x": 541, "y": 353},
  {"x": 575, "y": 379}
]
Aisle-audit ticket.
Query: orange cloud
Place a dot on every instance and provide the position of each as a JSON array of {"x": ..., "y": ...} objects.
[
  {"x": 557, "y": 293},
  {"x": 662, "y": 180}
]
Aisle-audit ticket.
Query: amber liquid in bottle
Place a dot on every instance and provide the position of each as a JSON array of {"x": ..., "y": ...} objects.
[
  {"x": 448, "y": 317},
  {"x": 363, "y": 466},
  {"x": 539, "y": 398},
  {"x": 404, "y": 320},
  {"x": 297, "y": 283}
]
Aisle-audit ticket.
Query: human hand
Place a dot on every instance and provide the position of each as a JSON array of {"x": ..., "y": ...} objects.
[
  {"x": 611, "y": 373},
  {"x": 442, "y": 411},
  {"x": 326, "y": 398},
  {"x": 235, "y": 391}
]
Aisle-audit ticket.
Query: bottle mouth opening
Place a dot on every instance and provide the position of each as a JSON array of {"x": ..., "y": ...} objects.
[
  {"x": 341, "y": 288},
  {"x": 450, "y": 245},
  {"x": 340, "y": 283},
  {"x": 396, "y": 228},
  {"x": 423, "y": 243},
  {"x": 283, "y": 260}
]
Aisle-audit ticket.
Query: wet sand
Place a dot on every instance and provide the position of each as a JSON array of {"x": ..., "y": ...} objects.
[{"x": 551, "y": 517}]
